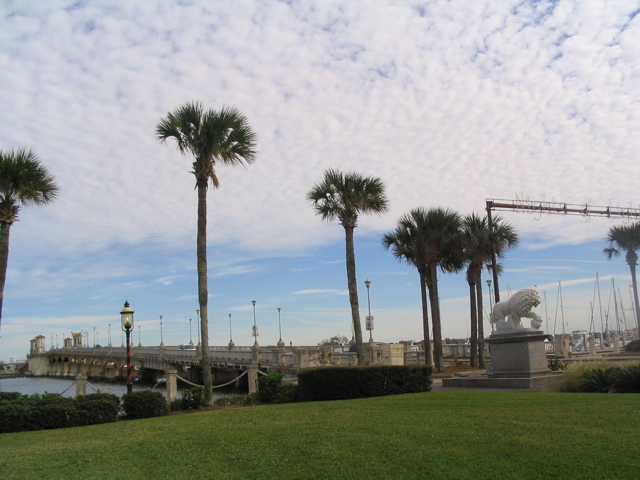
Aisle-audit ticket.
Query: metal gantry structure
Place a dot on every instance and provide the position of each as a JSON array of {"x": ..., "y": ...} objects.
[{"x": 553, "y": 207}]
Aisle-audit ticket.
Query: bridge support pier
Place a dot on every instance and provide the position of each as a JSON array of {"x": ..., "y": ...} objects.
[{"x": 171, "y": 374}]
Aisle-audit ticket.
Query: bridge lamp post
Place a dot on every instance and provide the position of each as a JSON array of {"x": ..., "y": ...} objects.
[
  {"x": 161, "y": 342},
  {"x": 126, "y": 317},
  {"x": 280, "y": 342},
  {"x": 190, "y": 341},
  {"x": 255, "y": 326},
  {"x": 231, "y": 344},
  {"x": 369, "y": 317}
]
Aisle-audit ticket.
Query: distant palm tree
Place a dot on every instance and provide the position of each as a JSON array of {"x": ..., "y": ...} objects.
[
  {"x": 478, "y": 242},
  {"x": 626, "y": 238},
  {"x": 212, "y": 137},
  {"x": 24, "y": 181},
  {"x": 343, "y": 196},
  {"x": 408, "y": 243}
]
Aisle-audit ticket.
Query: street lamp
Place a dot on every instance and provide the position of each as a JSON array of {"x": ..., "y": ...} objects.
[
  {"x": 231, "y": 344},
  {"x": 490, "y": 304},
  {"x": 369, "y": 317},
  {"x": 161, "y": 342},
  {"x": 199, "y": 324},
  {"x": 280, "y": 342},
  {"x": 126, "y": 317},
  {"x": 190, "y": 341},
  {"x": 109, "y": 335},
  {"x": 255, "y": 327}
]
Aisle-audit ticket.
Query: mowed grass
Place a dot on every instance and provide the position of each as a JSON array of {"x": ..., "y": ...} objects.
[{"x": 439, "y": 435}]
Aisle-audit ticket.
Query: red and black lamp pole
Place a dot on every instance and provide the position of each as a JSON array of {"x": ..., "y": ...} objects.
[{"x": 126, "y": 316}]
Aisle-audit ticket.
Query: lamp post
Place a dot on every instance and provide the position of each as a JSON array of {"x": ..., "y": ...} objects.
[
  {"x": 255, "y": 327},
  {"x": 490, "y": 304},
  {"x": 126, "y": 317},
  {"x": 190, "y": 341},
  {"x": 199, "y": 324},
  {"x": 161, "y": 340},
  {"x": 109, "y": 335},
  {"x": 280, "y": 342},
  {"x": 369, "y": 317},
  {"x": 231, "y": 344}
]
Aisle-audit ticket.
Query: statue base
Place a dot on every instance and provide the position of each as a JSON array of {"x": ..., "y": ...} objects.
[{"x": 518, "y": 360}]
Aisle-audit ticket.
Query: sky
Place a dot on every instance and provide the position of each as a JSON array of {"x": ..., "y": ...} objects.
[{"x": 449, "y": 103}]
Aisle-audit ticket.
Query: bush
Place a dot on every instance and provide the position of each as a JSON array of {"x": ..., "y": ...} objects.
[
  {"x": 176, "y": 405},
  {"x": 193, "y": 398},
  {"x": 626, "y": 379},
  {"x": 287, "y": 393},
  {"x": 335, "y": 383},
  {"x": 144, "y": 404},
  {"x": 268, "y": 386},
  {"x": 97, "y": 408},
  {"x": 598, "y": 379},
  {"x": 14, "y": 417},
  {"x": 11, "y": 396},
  {"x": 633, "y": 346}
]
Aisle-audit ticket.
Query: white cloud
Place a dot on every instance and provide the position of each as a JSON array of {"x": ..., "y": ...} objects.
[{"x": 448, "y": 103}]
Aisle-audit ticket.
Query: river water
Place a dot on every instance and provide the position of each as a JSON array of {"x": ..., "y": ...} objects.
[{"x": 66, "y": 386}]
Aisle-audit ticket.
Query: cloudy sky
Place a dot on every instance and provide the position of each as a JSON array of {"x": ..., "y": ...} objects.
[{"x": 450, "y": 103}]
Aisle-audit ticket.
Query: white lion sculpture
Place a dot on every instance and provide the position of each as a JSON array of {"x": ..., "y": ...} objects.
[{"x": 508, "y": 315}]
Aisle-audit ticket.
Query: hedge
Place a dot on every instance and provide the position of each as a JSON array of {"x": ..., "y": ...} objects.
[{"x": 337, "y": 383}]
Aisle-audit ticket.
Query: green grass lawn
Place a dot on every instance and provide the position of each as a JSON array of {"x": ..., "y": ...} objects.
[{"x": 436, "y": 435}]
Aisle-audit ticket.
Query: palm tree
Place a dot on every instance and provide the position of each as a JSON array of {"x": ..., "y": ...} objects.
[
  {"x": 343, "y": 196},
  {"x": 409, "y": 245},
  {"x": 478, "y": 242},
  {"x": 212, "y": 137},
  {"x": 626, "y": 238},
  {"x": 444, "y": 252},
  {"x": 429, "y": 240},
  {"x": 24, "y": 181}
]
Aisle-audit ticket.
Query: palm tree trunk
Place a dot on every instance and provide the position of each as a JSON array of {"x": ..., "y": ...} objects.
[
  {"x": 353, "y": 293},
  {"x": 481, "y": 359},
  {"x": 203, "y": 290},
  {"x": 428, "y": 360},
  {"x": 432, "y": 284},
  {"x": 634, "y": 283},
  {"x": 473, "y": 359},
  {"x": 4, "y": 258}
]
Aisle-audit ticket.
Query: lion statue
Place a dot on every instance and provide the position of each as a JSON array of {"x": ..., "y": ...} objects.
[{"x": 508, "y": 315}]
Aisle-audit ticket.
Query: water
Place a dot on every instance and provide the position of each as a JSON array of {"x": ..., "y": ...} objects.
[{"x": 66, "y": 387}]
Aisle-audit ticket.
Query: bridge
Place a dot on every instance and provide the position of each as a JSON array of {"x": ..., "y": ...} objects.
[{"x": 227, "y": 365}]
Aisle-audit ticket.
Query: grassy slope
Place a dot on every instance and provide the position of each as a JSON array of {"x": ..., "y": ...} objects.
[{"x": 457, "y": 435}]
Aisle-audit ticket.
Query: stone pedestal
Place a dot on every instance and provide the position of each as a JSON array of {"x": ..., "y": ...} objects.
[
  {"x": 171, "y": 375},
  {"x": 519, "y": 354},
  {"x": 518, "y": 360}
]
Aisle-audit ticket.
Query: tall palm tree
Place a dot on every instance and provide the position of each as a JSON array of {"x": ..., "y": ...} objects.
[
  {"x": 408, "y": 244},
  {"x": 444, "y": 249},
  {"x": 429, "y": 240},
  {"x": 478, "y": 243},
  {"x": 344, "y": 196},
  {"x": 24, "y": 181},
  {"x": 626, "y": 238},
  {"x": 212, "y": 137}
]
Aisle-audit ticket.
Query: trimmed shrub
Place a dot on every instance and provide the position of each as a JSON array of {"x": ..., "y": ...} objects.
[
  {"x": 14, "y": 417},
  {"x": 51, "y": 415},
  {"x": 193, "y": 398},
  {"x": 176, "y": 405},
  {"x": 633, "y": 346},
  {"x": 97, "y": 408},
  {"x": 268, "y": 386},
  {"x": 336, "y": 383},
  {"x": 144, "y": 404},
  {"x": 11, "y": 396},
  {"x": 287, "y": 393}
]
